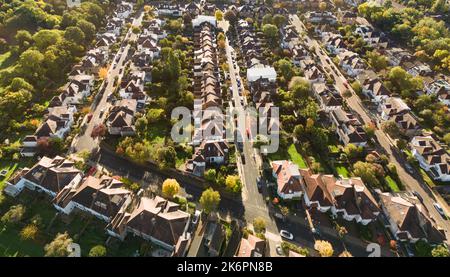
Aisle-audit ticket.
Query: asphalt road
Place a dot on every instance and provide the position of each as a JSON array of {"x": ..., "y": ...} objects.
[
  {"x": 85, "y": 141},
  {"x": 413, "y": 183}
]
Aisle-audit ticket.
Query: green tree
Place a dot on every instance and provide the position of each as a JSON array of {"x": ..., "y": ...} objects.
[
  {"x": 45, "y": 38},
  {"x": 29, "y": 232},
  {"x": 166, "y": 157},
  {"x": 367, "y": 173},
  {"x": 279, "y": 20},
  {"x": 97, "y": 251},
  {"x": 377, "y": 61},
  {"x": 440, "y": 251},
  {"x": 233, "y": 183},
  {"x": 210, "y": 175},
  {"x": 23, "y": 39},
  {"x": 219, "y": 15},
  {"x": 259, "y": 225},
  {"x": 271, "y": 33},
  {"x": 391, "y": 128},
  {"x": 75, "y": 35},
  {"x": 209, "y": 200}
]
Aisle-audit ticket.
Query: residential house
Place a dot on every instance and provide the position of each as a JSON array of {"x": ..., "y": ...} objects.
[
  {"x": 251, "y": 247},
  {"x": 101, "y": 197},
  {"x": 393, "y": 106},
  {"x": 289, "y": 180},
  {"x": 334, "y": 43},
  {"x": 407, "y": 124},
  {"x": 345, "y": 197},
  {"x": 408, "y": 220},
  {"x": 351, "y": 63},
  {"x": 57, "y": 122},
  {"x": 321, "y": 17},
  {"x": 154, "y": 219},
  {"x": 328, "y": 96},
  {"x": 398, "y": 56},
  {"x": 348, "y": 128},
  {"x": 432, "y": 157},
  {"x": 375, "y": 90},
  {"x": 49, "y": 175},
  {"x": 372, "y": 37},
  {"x": 120, "y": 120}
]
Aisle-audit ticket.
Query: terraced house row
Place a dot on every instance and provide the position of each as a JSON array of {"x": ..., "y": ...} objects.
[
  {"x": 210, "y": 146},
  {"x": 150, "y": 217}
]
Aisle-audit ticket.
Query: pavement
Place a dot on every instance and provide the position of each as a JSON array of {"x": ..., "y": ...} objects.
[
  {"x": 100, "y": 110},
  {"x": 412, "y": 182}
]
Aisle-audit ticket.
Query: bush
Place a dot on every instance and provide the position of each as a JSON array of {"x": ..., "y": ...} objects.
[
  {"x": 29, "y": 232},
  {"x": 97, "y": 251},
  {"x": 286, "y": 246},
  {"x": 14, "y": 214}
]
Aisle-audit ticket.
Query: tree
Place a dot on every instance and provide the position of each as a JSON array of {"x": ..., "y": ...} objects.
[
  {"x": 14, "y": 214},
  {"x": 347, "y": 94},
  {"x": 324, "y": 248},
  {"x": 155, "y": 115},
  {"x": 279, "y": 20},
  {"x": 30, "y": 64},
  {"x": 370, "y": 130},
  {"x": 271, "y": 33},
  {"x": 446, "y": 139},
  {"x": 209, "y": 200},
  {"x": 345, "y": 254},
  {"x": 322, "y": 6},
  {"x": 377, "y": 61},
  {"x": 440, "y": 251},
  {"x": 103, "y": 73},
  {"x": 231, "y": 17},
  {"x": 29, "y": 232},
  {"x": 286, "y": 69},
  {"x": 210, "y": 175},
  {"x": 300, "y": 87},
  {"x": 97, "y": 251},
  {"x": 259, "y": 225},
  {"x": 391, "y": 128},
  {"x": 46, "y": 38},
  {"x": 219, "y": 15},
  {"x": 75, "y": 35},
  {"x": 88, "y": 29},
  {"x": 422, "y": 249},
  {"x": 170, "y": 188},
  {"x": 233, "y": 183},
  {"x": 98, "y": 131},
  {"x": 166, "y": 157},
  {"x": 23, "y": 39},
  {"x": 352, "y": 151},
  {"x": 59, "y": 247},
  {"x": 367, "y": 173}
]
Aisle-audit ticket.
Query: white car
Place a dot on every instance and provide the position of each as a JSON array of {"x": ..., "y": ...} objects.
[
  {"x": 279, "y": 250},
  {"x": 196, "y": 217},
  {"x": 440, "y": 210},
  {"x": 285, "y": 234}
]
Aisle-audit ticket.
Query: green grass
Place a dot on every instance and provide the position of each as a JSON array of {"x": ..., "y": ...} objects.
[
  {"x": 342, "y": 170},
  {"x": 296, "y": 157},
  {"x": 392, "y": 184},
  {"x": 85, "y": 230},
  {"x": 11, "y": 168}
]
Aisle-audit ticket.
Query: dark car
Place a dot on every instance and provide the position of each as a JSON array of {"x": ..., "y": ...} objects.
[
  {"x": 416, "y": 194},
  {"x": 259, "y": 184},
  {"x": 243, "y": 159}
]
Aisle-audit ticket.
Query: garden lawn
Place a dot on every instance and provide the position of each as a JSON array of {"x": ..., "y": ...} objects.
[
  {"x": 11, "y": 167},
  {"x": 392, "y": 184},
  {"x": 296, "y": 157}
]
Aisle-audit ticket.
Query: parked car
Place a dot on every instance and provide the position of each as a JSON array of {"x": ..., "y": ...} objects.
[
  {"x": 196, "y": 217},
  {"x": 259, "y": 184},
  {"x": 89, "y": 117},
  {"x": 102, "y": 111},
  {"x": 416, "y": 194},
  {"x": 440, "y": 210},
  {"x": 279, "y": 250},
  {"x": 287, "y": 235},
  {"x": 243, "y": 159},
  {"x": 409, "y": 168}
]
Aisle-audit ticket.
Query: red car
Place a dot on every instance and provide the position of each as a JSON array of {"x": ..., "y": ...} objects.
[{"x": 89, "y": 117}]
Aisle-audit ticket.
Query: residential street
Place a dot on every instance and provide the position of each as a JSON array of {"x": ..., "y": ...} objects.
[
  {"x": 354, "y": 102},
  {"x": 85, "y": 141}
]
